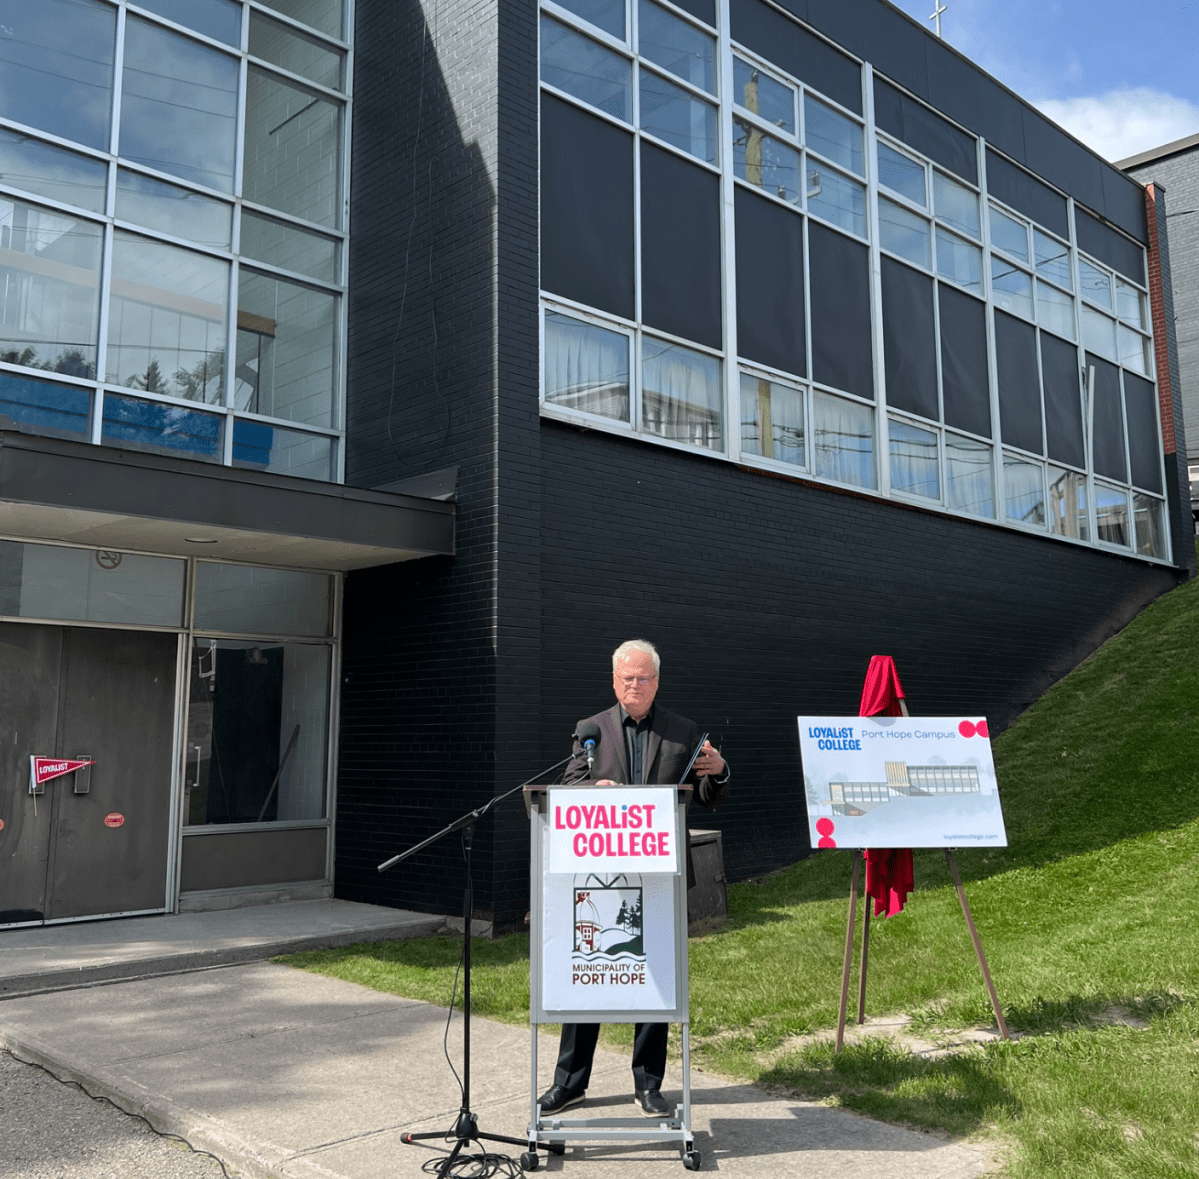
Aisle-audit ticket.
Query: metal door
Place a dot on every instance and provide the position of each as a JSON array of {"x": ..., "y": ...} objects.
[{"x": 110, "y": 695}]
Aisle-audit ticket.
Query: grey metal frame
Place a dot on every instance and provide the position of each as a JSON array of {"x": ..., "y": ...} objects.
[{"x": 545, "y": 1129}]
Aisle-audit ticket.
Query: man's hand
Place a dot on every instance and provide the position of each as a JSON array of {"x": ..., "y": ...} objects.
[{"x": 709, "y": 763}]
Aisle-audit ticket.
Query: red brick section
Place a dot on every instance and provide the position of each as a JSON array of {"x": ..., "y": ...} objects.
[{"x": 1157, "y": 305}]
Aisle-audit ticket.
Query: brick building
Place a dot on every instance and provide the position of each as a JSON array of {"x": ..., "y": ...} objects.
[{"x": 780, "y": 335}]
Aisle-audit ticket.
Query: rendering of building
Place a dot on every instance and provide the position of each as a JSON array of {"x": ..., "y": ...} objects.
[
  {"x": 370, "y": 370},
  {"x": 1172, "y": 172},
  {"x": 903, "y": 780}
]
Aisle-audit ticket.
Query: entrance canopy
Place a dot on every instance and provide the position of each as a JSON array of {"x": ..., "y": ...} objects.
[{"x": 107, "y": 498}]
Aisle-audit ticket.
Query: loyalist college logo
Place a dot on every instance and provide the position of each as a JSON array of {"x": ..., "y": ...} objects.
[{"x": 609, "y": 948}]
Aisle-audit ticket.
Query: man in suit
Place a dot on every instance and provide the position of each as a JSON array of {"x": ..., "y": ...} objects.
[{"x": 639, "y": 742}]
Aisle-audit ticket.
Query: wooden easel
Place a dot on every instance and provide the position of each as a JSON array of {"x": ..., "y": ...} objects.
[{"x": 853, "y": 910}]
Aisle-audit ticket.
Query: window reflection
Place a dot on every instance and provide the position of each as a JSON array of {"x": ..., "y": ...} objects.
[
  {"x": 681, "y": 395},
  {"x": 1053, "y": 259},
  {"x": 956, "y": 204},
  {"x": 959, "y": 261},
  {"x": 161, "y": 428},
  {"x": 586, "y": 367},
  {"x": 901, "y": 174},
  {"x": 760, "y": 93},
  {"x": 584, "y": 68},
  {"x": 178, "y": 105},
  {"x": 1149, "y": 522},
  {"x": 1099, "y": 333},
  {"x": 261, "y": 447},
  {"x": 673, "y": 114},
  {"x": 59, "y": 411},
  {"x": 218, "y": 19},
  {"x": 1011, "y": 288},
  {"x": 166, "y": 331},
  {"x": 292, "y": 161},
  {"x": 275, "y": 42},
  {"x": 765, "y": 162},
  {"x": 836, "y": 199},
  {"x": 285, "y": 339},
  {"x": 1111, "y": 514},
  {"x": 56, "y": 67},
  {"x": 171, "y": 209},
  {"x": 1096, "y": 284},
  {"x": 1068, "y": 504},
  {"x": 914, "y": 466},
  {"x": 604, "y": 14},
  {"x": 1009, "y": 235},
  {"x": 1024, "y": 484},
  {"x": 1055, "y": 310},
  {"x": 833, "y": 135},
  {"x": 288, "y": 246},
  {"x": 323, "y": 15},
  {"x": 969, "y": 479},
  {"x": 1130, "y": 304},
  {"x": 669, "y": 41},
  {"x": 904, "y": 233},
  {"x": 50, "y": 171},
  {"x": 772, "y": 420},
  {"x": 842, "y": 440},
  {"x": 49, "y": 289}
]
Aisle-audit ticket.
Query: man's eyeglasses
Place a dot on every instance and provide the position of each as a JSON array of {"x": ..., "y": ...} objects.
[{"x": 640, "y": 680}]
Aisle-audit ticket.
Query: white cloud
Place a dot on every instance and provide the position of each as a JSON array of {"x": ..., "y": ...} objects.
[{"x": 1124, "y": 122}]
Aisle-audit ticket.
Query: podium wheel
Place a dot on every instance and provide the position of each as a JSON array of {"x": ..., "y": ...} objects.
[
  {"x": 691, "y": 1160},
  {"x": 529, "y": 1161}
]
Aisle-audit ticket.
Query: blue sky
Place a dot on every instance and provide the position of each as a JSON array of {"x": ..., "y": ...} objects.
[{"x": 1121, "y": 77}]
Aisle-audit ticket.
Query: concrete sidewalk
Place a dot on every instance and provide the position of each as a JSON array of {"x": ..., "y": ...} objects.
[
  {"x": 50, "y": 957},
  {"x": 288, "y": 1075}
]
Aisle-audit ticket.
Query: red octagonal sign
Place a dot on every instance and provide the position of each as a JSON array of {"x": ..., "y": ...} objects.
[{"x": 115, "y": 819}]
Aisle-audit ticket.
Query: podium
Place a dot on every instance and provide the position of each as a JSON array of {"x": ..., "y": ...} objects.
[{"x": 608, "y": 937}]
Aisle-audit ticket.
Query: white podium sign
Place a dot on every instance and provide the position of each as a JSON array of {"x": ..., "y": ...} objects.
[{"x": 612, "y": 830}]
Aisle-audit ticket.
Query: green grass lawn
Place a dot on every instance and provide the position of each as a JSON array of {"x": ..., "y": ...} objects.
[{"x": 1092, "y": 912}]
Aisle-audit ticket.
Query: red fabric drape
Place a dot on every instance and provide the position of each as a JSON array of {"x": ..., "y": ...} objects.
[{"x": 889, "y": 876}]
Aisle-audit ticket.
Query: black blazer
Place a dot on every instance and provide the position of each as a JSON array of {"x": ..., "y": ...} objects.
[{"x": 672, "y": 741}]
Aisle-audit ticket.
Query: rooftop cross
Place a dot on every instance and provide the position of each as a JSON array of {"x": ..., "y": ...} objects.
[{"x": 936, "y": 14}]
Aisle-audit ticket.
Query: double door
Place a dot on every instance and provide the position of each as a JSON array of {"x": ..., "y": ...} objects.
[{"x": 108, "y": 695}]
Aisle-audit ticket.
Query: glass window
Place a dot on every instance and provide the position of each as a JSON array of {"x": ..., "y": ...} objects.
[
  {"x": 322, "y": 15},
  {"x": 969, "y": 479},
  {"x": 959, "y": 261},
  {"x": 669, "y": 41},
  {"x": 257, "y": 731},
  {"x": 1068, "y": 504},
  {"x": 842, "y": 440},
  {"x": 166, "y": 327},
  {"x": 914, "y": 466},
  {"x": 604, "y": 14},
  {"x": 901, "y": 174},
  {"x": 586, "y": 367},
  {"x": 90, "y": 585},
  {"x": 160, "y": 428},
  {"x": 765, "y": 162},
  {"x": 56, "y": 67},
  {"x": 673, "y": 114},
  {"x": 681, "y": 396},
  {"x": 772, "y": 420},
  {"x": 903, "y": 233},
  {"x": 218, "y": 19},
  {"x": 59, "y": 411},
  {"x": 1099, "y": 333},
  {"x": 836, "y": 199},
  {"x": 956, "y": 204},
  {"x": 584, "y": 68},
  {"x": 1149, "y": 522},
  {"x": 1130, "y": 304},
  {"x": 1011, "y": 288},
  {"x": 1096, "y": 284},
  {"x": 1135, "y": 350},
  {"x": 1009, "y": 235},
  {"x": 168, "y": 208},
  {"x": 285, "y": 349},
  {"x": 760, "y": 93},
  {"x": 292, "y": 157},
  {"x": 178, "y": 105},
  {"x": 1111, "y": 514},
  {"x": 283, "y": 46},
  {"x": 1053, "y": 259},
  {"x": 288, "y": 246},
  {"x": 258, "y": 446},
  {"x": 49, "y": 289},
  {"x": 1055, "y": 310},
  {"x": 1025, "y": 490},
  {"x": 50, "y": 171},
  {"x": 833, "y": 135},
  {"x": 245, "y": 599}
]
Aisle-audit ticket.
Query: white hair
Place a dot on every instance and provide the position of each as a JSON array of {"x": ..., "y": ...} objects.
[{"x": 642, "y": 645}]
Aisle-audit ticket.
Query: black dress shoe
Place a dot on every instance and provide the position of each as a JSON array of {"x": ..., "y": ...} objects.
[
  {"x": 651, "y": 1102},
  {"x": 557, "y": 1098}
]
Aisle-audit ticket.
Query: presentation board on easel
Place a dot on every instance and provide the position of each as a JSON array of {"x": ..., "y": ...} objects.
[{"x": 884, "y": 781}]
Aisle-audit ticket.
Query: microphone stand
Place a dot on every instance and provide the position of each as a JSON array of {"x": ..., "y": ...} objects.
[{"x": 466, "y": 1128}]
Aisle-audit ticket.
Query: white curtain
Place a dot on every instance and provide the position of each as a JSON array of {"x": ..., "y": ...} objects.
[
  {"x": 843, "y": 440},
  {"x": 586, "y": 367},
  {"x": 969, "y": 482},
  {"x": 914, "y": 460},
  {"x": 681, "y": 395}
]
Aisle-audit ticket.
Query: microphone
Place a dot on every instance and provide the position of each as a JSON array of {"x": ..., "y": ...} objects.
[{"x": 587, "y": 734}]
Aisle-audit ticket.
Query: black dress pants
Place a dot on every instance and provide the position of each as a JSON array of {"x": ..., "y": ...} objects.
[{"x": 577, "y": 1048}]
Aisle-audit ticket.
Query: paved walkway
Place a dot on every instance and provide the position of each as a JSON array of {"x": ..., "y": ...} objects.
[{"x": 288, "y": 1075}]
